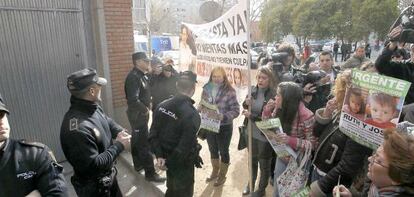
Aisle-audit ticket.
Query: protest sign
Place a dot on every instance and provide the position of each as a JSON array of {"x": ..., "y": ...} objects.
[
  {"x": 372, "y": 103},
  {"x": 222, "y": 42},
  {"x": 270, "y": 128},
  {"x": 209, "y": 120}
]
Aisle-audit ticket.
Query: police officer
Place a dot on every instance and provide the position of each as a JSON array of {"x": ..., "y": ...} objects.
[
  {"x": 25, "y": 167},
  {"x": 137, "y": 91},
  {"x": 86, "y": 137},
  {"x": 173, "y": 137}
]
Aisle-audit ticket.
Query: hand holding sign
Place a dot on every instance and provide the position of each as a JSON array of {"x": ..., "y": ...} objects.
[{"x": 281, "y": 138}]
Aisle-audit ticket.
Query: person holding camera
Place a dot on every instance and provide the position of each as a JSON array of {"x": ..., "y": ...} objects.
[
  {"x": 86, "y": 137},
  {"x": 173, "y": 137},
  {"x": 317, "y": 91},
  {"x": 281, "y": 62},
  {"x": 399, "y": 69}
]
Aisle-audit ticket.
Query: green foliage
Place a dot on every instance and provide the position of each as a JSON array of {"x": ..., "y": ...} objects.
[{"x": 350, "y": 20}]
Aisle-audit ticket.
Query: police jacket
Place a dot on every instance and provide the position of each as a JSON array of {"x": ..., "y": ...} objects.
[
  {"x": 402, "y": 70},
  {"x": 137, "y": 91},
  {"x": 337, "y": 154},
  {"x": 25, "y": 167},
  {"x": 174, "y": 128},
  {"x": 86, "y": 137}
]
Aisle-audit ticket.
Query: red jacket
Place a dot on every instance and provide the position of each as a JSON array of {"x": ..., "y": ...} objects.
[{"x": 302, "y": 126}]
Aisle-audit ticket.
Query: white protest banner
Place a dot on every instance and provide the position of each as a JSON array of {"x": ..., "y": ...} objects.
[
  {"x": 209, "y": 115},
  {"x": 222, "y": 42},
  {"x": 373, "y": 103},
  {"x": 270, "y": 128}
]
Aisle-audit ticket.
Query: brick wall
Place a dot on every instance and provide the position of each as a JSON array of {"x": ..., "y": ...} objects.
[{"x": 120, "y": 40}]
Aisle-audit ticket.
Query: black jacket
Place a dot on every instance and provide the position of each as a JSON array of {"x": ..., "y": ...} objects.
[
  {"x": 137, "y": 91},
  {"x": 402, "y": 70},
  {"x": 269, "y": 94},
  {"x": 162, "y": 88},
  {"x": 25, "y": 167},
  {"x": 86, "y": 137},
  {"x": 337, "y": 154},
  {"x": 174, "y": 128}
]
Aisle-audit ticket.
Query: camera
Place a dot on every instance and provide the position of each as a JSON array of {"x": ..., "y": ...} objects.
[{"x": 406, "y": 21}]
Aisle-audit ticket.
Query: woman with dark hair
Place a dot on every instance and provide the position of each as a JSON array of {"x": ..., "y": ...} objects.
[
  {"x": 264, "y": 91},
  {"x": 188, "y": 50},
  {"x": 218, "y": 91},
  {"x": 297, "y": 122},
  {"x": 391, "y": 168}
]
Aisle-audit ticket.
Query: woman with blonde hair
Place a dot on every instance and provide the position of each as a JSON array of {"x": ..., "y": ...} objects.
[
  {"x": 218, "y": 91},
  {"x": 337, "y": 155}
]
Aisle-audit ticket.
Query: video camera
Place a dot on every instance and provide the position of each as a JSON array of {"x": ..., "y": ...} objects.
[{"x": 406, "y": 20}]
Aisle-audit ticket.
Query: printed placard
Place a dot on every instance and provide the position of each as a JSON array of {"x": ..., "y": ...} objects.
[
  {"x": 209, "y": 114},
  {"x": 372, "y": 103},
  {"x": 270, "y": 128}
]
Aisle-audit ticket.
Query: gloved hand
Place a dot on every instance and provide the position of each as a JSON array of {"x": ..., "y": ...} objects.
[{"x": 198, "y": 162}]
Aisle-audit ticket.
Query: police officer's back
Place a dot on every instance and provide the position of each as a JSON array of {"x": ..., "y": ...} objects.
[
  {"x": 26, "y": 167},
  {"x": 86, "y": 137},
  {"x": 173, "y": 137}
]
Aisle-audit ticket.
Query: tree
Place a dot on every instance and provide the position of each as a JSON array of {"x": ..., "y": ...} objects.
[{"x": 350, "y": 20}]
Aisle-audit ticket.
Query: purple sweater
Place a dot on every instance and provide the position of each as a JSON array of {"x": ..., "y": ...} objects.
[{"x": 226, "y": 101}]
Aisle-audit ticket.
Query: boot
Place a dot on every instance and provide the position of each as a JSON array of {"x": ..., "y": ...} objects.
[
  {"x": 222, "y": 174},
  {"x": 246, "y": 190},
  {"x": 216, "y": 166},
  {"x": 265, "y": 167}
]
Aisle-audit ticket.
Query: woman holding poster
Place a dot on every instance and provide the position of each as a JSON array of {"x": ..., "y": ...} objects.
[
  {"x": 219, "y": 92},
  {"x": 188, "y": 51},
  {"x": 390, "y": 170},
  {"x": 297, "y": 122},
  {"x": 261, "y": 150},
  {"x": 337, "y": 155}
]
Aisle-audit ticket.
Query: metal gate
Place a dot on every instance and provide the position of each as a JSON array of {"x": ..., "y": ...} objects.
[{"x": 41, "y": 42}]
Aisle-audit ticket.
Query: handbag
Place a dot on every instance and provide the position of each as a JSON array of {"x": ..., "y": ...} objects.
[
  {"x": 294, "y": 178},
  {"x": 242, "y": 138}
]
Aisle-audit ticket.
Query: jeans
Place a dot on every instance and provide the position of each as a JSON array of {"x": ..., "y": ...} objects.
[{"x": 218, "y": 143}]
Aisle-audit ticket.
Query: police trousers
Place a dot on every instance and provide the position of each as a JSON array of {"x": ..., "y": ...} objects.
[
  {"x": 180, "y": 179},
  {"x": 140, "y": 148}
]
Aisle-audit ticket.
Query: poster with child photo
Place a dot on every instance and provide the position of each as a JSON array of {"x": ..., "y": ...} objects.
[
  {"x": 270, "y": 128},
  {"x": 372, "y": 103}
]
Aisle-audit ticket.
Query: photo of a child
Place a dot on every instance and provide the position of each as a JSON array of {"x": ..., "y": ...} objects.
[
  {"x": 382, "y": 110},
  {"x": 355, "y": 103}
]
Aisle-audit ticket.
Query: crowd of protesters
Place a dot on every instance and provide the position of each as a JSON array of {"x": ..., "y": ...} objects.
[{"x": 308, "y": 100}]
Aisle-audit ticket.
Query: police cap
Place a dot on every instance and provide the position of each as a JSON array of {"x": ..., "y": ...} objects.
[
  {"x": 82, "y": 79},
  {"x": 3, "y": 106},
  {"x": 188, "y": 75}
]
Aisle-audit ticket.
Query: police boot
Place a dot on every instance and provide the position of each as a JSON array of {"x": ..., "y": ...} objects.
[
  {"x": 215, "y": 163},
  {"x": 222, "y": 174},
  {"x": 265, "y": 167}
]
